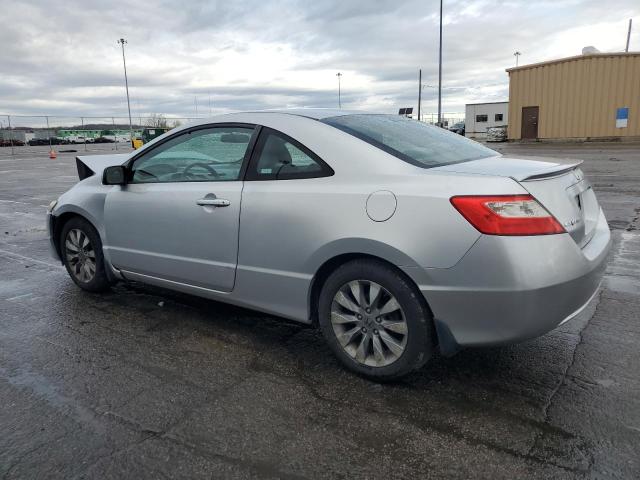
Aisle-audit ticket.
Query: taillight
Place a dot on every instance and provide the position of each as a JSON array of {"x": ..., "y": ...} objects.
[{"x": 507, "y": 215}]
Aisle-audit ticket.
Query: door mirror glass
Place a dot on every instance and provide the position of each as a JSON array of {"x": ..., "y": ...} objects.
[{"x": 115, "y": 175}]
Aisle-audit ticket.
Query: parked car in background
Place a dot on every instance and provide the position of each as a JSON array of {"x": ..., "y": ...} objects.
[
  {"x": 48, "y": 141},
  {"x": 80, "y": 139},
  {"x": 395, "y": 237},
  {"x": 7, "y": 142},
  {"x": 457, "y": 128}
]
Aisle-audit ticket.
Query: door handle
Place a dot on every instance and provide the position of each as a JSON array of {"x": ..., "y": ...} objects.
[{"x": 213, "y": 202}]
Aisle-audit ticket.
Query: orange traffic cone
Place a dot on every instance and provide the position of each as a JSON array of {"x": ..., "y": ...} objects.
[{"x": 52, "y": 154}]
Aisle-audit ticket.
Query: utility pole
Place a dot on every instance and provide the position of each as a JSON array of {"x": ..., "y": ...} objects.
[
  {"x": 628, "y": 35},
  {"x": 419, "y": 92},
  {"x": 440, "y": 72},
  {"x": 122, "y": 41},
  {"x": 10, "y": 133},
  {"x": 49, "y": 133},
  {"x": 517, "y": 55},
  {"x": 339, "y": 75}
]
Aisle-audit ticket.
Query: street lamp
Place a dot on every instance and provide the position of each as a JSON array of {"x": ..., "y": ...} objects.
[
  {"x": 517, "y": 54},
  {"x": 339, "y": 75},
  {"x": 419, "y": 93},
  {"x": 122, "y": 41}
]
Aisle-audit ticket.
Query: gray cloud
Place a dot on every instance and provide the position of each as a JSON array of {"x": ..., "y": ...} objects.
[{"x": 61, "y": 57}]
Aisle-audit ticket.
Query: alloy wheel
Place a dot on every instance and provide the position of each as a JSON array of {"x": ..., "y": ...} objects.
[
  {"x": 369, "y": 323},
  {"x": 80, "y": 255}
]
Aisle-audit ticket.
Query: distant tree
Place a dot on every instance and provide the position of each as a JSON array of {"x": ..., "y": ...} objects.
[
  {"x": 176, "y": 124},
  {"x": 157, "y": 120}
]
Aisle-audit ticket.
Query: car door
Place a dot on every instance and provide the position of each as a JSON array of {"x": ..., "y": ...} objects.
[
  {"x": 177, "y": 217},
  {"x": 286, "y": 216}
]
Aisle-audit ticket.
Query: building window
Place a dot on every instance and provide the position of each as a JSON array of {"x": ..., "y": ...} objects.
[
  {"x": 498, "y": 117},
  {"x": 482, "y": 118}
]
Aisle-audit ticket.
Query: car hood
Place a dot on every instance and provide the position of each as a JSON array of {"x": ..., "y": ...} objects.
[
  {"x": 518, "y": 168},
  {"x": 89, "y": 165}
]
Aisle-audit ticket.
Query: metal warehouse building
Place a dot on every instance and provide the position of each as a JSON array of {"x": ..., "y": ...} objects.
[{"x": 593, "y": 96}]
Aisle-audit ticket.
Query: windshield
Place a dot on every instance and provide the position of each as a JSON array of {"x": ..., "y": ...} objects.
[{"x": 415, "y": 142}]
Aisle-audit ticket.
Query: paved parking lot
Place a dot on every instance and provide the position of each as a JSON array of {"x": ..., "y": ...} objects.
[{"x": 145, "y": 383}]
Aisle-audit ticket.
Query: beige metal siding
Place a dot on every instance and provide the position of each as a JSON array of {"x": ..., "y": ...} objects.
[{"x": 577, "y": 97}]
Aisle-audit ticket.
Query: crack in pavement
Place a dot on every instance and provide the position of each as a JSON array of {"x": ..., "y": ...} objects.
[{"x": 536, "y": 444}]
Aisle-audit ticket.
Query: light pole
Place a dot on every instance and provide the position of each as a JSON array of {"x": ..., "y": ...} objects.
[
  {"x": 517, "y": 54},
  {"x": 122, "y": 41},
  {"x": 339, "y": 75},
  {"x": 440, "y": 72},
  {"x": 419, "y": 92}
]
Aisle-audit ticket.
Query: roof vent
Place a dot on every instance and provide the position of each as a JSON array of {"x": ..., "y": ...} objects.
[{"x": 590, "y": 50}]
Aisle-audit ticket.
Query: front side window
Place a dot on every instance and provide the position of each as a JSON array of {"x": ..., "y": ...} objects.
[
  {"x": 279, "y": 157},
  {"x": 207, "y": 155},
  {"x": 415, "y": 142}
]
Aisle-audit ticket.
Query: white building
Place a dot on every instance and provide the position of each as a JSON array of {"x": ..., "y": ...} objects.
[{"x": 480, "y": 116}]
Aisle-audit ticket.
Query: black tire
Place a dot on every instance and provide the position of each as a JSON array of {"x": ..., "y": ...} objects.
[
  {"x": 420, "y": 338},
  {"x": 98, "y": 282}
]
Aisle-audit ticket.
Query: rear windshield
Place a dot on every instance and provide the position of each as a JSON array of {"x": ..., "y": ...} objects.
[{"x": 415, "y": 142}]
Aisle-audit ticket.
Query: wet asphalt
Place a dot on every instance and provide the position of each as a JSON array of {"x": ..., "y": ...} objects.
[{"x": 146, "y": 383}]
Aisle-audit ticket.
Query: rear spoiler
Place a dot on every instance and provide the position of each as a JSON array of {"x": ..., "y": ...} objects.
[{"x": 564, "y": 168}]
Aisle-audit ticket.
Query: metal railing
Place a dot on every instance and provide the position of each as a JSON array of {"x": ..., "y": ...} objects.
[{"x": 448, "y": 119}]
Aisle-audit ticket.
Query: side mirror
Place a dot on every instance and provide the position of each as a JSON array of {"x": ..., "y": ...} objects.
[{"x": 115, "y": 175}]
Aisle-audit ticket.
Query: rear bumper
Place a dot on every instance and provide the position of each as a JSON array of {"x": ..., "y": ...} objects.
[{"x": 510, "y": 289}]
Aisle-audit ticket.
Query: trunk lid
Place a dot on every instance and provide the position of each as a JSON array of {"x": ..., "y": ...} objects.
[{"x": 559, "y": 185}]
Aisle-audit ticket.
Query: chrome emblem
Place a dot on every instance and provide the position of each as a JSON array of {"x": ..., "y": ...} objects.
[{"x": 572, "y": 222}]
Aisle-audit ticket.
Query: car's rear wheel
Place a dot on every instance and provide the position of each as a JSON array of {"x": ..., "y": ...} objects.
[
  {"x": 81, "y": 251},
  {"x": 375, "y": 320}
]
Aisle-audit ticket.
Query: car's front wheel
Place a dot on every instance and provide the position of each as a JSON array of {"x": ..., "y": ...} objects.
[
  {"x": 375, "y": 320},
  {"x": 81, "y": 251}
]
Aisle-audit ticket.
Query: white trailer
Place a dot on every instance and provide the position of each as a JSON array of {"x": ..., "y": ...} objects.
[{"x": 480, "y": 116}]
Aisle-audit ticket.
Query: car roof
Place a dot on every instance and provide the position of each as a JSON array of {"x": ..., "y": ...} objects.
[
  {"x": 312, "y": 113},
  {"x": 257, "y": 116},
  {"x": 315, "y": 113}
]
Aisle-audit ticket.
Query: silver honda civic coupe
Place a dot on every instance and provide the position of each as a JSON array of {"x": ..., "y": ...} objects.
[{"x": 394, "y": 237}]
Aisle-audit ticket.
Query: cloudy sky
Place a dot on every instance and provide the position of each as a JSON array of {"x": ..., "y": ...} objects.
[{"x": 61, "y": 57}]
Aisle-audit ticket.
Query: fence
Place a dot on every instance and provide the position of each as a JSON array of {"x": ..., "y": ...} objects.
[
  {"x": 21, "y": 133},
  {"x": 448, "y": 118}
]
